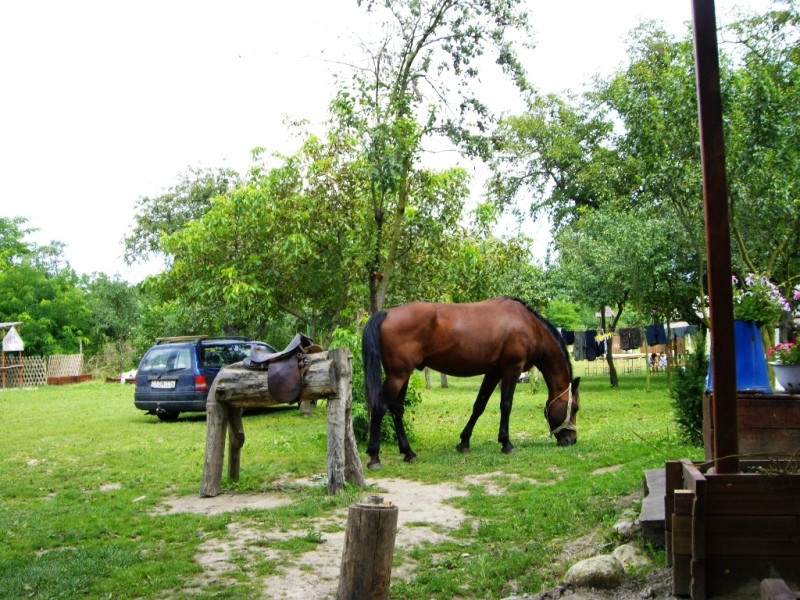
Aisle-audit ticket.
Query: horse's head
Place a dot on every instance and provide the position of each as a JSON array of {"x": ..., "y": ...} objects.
[{"x": 560, "y": 414}]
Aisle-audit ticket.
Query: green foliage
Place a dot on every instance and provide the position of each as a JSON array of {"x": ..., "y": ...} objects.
[
  {"x": 758, "y": 299},
  {"x": 688, "y": 386},
  {"x": 162, "y": 215},
  {"x": 564, "y": 314},
  {"x": 785, "y": 354},
  {"x": 38, "y": 291},
  {"x": 12, "y": 245},
  {"x": 417, "y": 87},
  {"x": 763, "y": 142},
  {"x": 114, "y": 358},
  {"x": 629, "y": 149},
  {"x": 116, "y": 311}
]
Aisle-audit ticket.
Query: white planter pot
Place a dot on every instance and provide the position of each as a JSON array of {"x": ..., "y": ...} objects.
[{"x": 788, "y": 376}]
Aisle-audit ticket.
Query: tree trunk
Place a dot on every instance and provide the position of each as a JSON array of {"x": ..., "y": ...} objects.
[{"x": 612, "y": 370}]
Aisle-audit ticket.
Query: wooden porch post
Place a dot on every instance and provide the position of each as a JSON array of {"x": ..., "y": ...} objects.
[{"x": 717, "y": 222}]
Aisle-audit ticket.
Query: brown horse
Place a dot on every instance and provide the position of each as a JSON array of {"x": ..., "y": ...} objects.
[{"x": 498, "y": 338}]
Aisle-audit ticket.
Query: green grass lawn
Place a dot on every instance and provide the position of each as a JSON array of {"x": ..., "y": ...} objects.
[{"x": 82, "y": 471}]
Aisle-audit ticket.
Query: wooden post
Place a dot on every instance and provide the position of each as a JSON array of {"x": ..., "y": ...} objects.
[
  {"x": 216, "y": 426},
  {"x": 718, "y": 249},
  {"x": 344, "y": 463},
  {"x": 335, "y": 462},
  {"x": 368, "y": 550},
  {"x": 235, "y": 440}
]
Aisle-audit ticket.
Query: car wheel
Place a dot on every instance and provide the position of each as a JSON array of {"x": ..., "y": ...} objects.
[{"x": 168, "y": 416}]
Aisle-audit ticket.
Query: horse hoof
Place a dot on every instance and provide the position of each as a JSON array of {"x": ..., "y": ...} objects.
[
  {"x": 463, "y": 448},
  {"x": 374, "y": 465},
  {"x": 412, "y": 458},
  {"x": 511, "y": 450}
]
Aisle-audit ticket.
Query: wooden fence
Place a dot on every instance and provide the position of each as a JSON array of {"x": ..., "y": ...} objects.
[{"x": 33, "y": 371}]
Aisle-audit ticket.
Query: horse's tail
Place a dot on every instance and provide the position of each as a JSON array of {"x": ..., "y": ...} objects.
[{"x": 371, "y": 355}]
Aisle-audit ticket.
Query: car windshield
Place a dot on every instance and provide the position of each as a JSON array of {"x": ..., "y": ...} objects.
[
  {"x": 166, "y": 359},
  {"x": 224, "y": 354}
]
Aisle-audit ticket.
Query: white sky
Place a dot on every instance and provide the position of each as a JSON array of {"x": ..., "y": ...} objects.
[{"x": 104, "y": 102}]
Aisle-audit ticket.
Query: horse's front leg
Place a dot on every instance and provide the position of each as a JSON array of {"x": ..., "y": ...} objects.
[
  {"x": 397, "y": 409},
  {"x": 506, "y": 400},
  {"x": 487, "y": 387}
]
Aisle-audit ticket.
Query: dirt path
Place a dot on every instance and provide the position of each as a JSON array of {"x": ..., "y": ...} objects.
[{"x": 422, "y": 516}]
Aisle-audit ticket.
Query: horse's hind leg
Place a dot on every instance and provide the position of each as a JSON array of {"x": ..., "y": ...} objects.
[
  {"x": 374, "y": 445},
  {"x": 487, "y": 387},
  {"x": 397, "y": 408}
]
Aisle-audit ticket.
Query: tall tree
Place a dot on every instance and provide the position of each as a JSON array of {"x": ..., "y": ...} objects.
[
  {"x": 420, "y": 84},
  {"x": 763, "y": 142},
  {"x": 42, "y": 292},
  {"x": 293, "y": 240},
  {"x": 161, "y": 215}
]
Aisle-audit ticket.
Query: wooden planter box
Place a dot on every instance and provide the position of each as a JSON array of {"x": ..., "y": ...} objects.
[
  {"x": 725, "y": 533},
  {"x": 769, "y": 425}
]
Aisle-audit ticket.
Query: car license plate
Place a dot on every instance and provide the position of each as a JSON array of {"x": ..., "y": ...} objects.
[{"x": 163, "y": 385}]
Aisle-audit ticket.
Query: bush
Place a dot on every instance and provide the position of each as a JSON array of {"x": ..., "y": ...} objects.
[
  {"x": 114, "y": 358},
  {"x": 687, "y": 391}
]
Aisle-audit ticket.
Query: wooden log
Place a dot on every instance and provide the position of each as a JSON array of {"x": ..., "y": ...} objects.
[
  {"x": 249, "y": 388},
  {"x": 368, "y": 550}
]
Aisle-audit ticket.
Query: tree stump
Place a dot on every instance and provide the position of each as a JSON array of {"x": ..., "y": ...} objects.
[{"x": 368, "y": 550}]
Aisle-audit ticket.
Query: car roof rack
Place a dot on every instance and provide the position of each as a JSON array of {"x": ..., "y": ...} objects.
[
  {"x": 199, "y": 338},
  {"x": 181, "y": 338}
]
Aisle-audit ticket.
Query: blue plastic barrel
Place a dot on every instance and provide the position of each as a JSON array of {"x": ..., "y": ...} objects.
[{"x": 751, "y": 363}]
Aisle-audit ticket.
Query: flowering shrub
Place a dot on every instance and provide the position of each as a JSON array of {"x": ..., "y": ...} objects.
[
  {"x": 758, "y": 299},
  {"x": 786, "y": 354}
]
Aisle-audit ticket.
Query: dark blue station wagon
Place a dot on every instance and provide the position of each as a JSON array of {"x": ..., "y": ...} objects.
[{"x": 174, "y": 376}]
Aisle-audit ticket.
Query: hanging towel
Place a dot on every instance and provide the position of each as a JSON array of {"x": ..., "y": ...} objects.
[{"x": 569, "y": 336}]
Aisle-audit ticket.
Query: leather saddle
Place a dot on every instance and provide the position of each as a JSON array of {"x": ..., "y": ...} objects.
[{"x": 284, "y": 368}]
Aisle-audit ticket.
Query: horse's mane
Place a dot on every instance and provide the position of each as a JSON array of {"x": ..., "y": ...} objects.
[{"x": 551, "y": 328}]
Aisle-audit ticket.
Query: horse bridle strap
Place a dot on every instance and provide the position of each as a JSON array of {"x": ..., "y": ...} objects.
[{"x": 566, "y": 424}]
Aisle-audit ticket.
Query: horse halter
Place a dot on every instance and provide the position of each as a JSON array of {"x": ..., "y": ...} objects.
[{"x": 566, "y": 424}]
